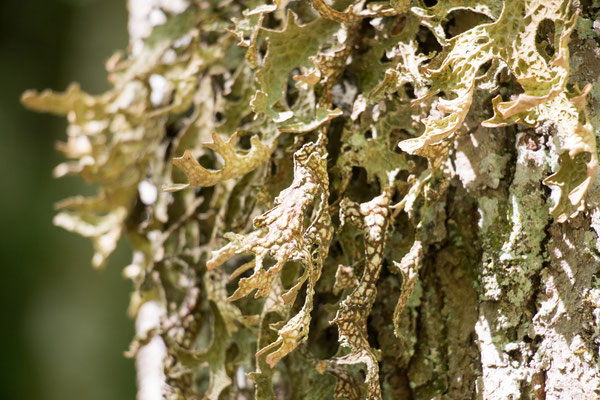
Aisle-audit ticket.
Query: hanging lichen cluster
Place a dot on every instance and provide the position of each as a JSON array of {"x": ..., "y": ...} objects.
[{"x": 310, "y": 141}]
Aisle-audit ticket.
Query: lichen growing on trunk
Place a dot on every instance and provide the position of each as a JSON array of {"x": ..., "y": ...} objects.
[{"x": 374, "y": 173}]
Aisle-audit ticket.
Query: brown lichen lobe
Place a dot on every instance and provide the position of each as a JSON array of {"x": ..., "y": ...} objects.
[{"x": 235, "y": 164}]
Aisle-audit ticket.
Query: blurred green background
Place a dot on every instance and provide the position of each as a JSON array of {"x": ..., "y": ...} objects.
[{"x": 64, "y": 325}]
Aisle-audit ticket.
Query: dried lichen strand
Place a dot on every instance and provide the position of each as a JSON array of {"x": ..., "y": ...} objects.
[
  {"x": 351, "y": 319},
  {"x": 281, "y": 233},
  {"x": 346, "y": 386},
  {"x": 409, "y": 268}
]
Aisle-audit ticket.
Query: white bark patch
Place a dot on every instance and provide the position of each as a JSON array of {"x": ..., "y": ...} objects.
[
  {"x": 150, "y": 357},
  {"x": 498, "y": 376}
]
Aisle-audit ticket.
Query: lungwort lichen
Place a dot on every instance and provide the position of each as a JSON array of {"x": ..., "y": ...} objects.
[{"x": 310, "y": 139}]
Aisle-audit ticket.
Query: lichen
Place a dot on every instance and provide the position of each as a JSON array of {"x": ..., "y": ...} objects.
[
  {"x": 512, "y": 40},
  {"x": 298, "y": 131}
]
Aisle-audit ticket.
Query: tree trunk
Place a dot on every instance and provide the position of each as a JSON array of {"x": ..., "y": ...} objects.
[{"x": 407, "y": 189}]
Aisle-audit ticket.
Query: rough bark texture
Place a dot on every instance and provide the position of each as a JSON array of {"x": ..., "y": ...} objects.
[{"x": 383, "y": 274}]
